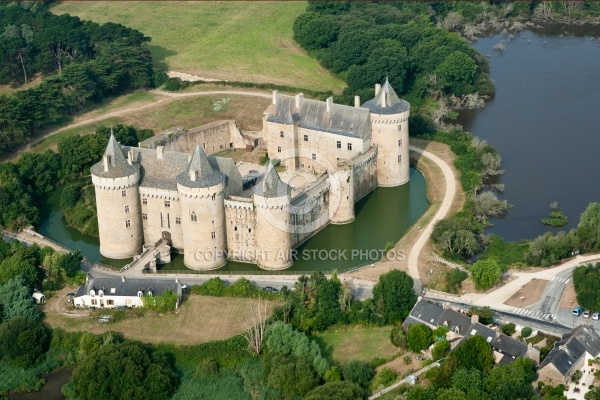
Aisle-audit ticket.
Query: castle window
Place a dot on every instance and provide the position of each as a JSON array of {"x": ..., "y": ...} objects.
[
  {"x": 193, "y": 217},
  {"x": 399, "y": 127},
  {"x": 167, "y": 203},
  {"x": 400, "y": 142},
  {"x": 177, "y": 221},
  {"x": 123, "y": 193},
  {"x": 249, "y": 230},
  {"x": 399, "y": 158},
  {"x": 204, "y": 145},
  {"x": 145, "y": 201},
  {"x": 280, "y": 133},
  {"x": 214, "y": 196},
  {"x": 126, "y": 209},
  {"x": 144, "y": 216},
  {"x": 213, "y": 235},
  {"x": 339, "y": 144},
  {"x": 235, "y": 228},
  {"x": 128, "y": 223},
  {"x": 314, "y": 156},
  {"x": 279, "y": 149},
  {"x": 349, "y": 146},
  {"x": 306, "y": 138}
]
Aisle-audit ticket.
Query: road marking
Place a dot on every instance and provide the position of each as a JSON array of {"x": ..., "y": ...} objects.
[{"x": 560, "y": 280}]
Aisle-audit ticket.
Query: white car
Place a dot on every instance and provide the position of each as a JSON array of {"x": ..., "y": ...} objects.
[
  {"x": 596, "y": 316},
  {"x": 586, "y": 314}
]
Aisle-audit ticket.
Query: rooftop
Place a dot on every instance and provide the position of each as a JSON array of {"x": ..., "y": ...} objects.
[
  {"x": 128, "y": 287},
  {"x": 272, "y": 185},
  {"x": 199, "y": 173},
  {"x": 572, "y": 347},
  {"x": 386, "y": 101},
  {"x": 118, "y": 167}
]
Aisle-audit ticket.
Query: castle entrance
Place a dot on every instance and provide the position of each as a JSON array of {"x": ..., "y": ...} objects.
[{"x": 166, "y": 236}]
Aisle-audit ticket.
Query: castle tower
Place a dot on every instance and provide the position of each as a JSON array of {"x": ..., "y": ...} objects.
[
  {"x": 273, "y": 221},
  {"x": 389, "y": 124},
  {"x": 202, "y": 191},
  {"x": 342, "y": 195},
  {"x": 118, "y": 202}
]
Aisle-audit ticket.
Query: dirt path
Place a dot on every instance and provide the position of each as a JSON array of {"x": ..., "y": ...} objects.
[{"x": 167, "y": 97}]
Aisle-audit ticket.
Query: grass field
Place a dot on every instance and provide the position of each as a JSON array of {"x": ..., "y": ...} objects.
[
  {"x": 184, "y": 112},
  {"x": 200, "y": 319},
  {"x": 356, "y": 343},
  {"x": 236, "y": 41}
]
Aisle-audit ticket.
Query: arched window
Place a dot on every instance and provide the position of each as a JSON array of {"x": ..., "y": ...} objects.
[
  {"x": 140, "y": 294},
  {"x": 193, "y": 217}
]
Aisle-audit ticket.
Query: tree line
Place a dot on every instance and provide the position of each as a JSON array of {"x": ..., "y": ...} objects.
[{"x": 81, "y": 62}]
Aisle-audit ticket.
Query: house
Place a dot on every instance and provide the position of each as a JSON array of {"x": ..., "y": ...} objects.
[
  {"x": 462, "y": 327},
  {"x": 569, "y": 354},
  {"x": 121, "y": 292},
  {"x": 38, "y": 297}
]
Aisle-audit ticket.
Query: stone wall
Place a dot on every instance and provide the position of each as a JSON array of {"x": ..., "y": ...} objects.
[
  {"x": 273, "y": 232},
  {"x": 157, "y": 217},
  {"x": 240, "y": 225},
  {"x": 310, "y": 210},
  {"x": 390, "y": 135},
  {"x": 341, "y": 207},
  {"x": 365, "y": 173}
]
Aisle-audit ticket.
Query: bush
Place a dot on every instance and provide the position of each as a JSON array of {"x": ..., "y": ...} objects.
[
  {"x": 397, "y": 337},
  {"x": 508, "y": 329},
  {"x": 454, "y": 279},
  {"x": 385, "y": 378},
  {"x": 440, "y": 349},
  {"x": 359, "y": 372},
  {"x": 173, "y": 84},
  {"x": 419, "y": 337},
  {"x": 526, "y": 332}
]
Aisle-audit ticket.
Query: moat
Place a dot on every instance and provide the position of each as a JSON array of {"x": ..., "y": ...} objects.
[
  {"x": 382, "y": 216},
  {"x": 544, "y": 121}
]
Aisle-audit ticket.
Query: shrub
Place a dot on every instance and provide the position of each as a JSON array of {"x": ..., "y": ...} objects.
[
  {"x": 508, "y": 329},
  {"x": 397, "y": 337},
  {"x": 454, "y": 279},
  {"x": 173, "y": 84},
  {"x": 526, "y": 332},
  {"x": 384, "y": 378},
  {"x": 333, "y": 374},
  {"x": 440, "y": 349},
  {"x": 359, "y": 372},
  {"x": 23, "y": 341},
  {"x": 419, "y": 337}
]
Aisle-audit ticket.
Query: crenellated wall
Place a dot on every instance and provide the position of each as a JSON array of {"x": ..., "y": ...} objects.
[
  {"x": 240, "y": 223},
  {"x": 310, "y": 210}
]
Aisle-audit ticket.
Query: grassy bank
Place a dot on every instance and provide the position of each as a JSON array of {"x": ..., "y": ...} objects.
[{"x": 240, "y": 41}]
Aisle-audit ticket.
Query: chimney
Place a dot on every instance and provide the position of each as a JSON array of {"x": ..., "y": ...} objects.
[
  {"x": 329, "y": 103},
  {"x": 105, "y": 162},
  {"x": 193, "y": 175},
  {"x": 474, "y": 318},
  {"x": 159, "y": 152},
  {"x": 275, "y": 94},
  {"x": 357, "y": 101},
  {"x": 299, "y": 98},
  {"x": 383, "y": 99},
  {"x": 377, "y": 88},
  {"x": 130, "y": 157}
]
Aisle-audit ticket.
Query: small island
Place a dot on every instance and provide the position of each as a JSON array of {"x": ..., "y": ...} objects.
[{"x": 557, "y": 216}]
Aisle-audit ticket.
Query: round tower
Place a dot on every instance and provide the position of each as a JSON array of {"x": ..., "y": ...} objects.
[
  {"x": 273, "y": 222},
  {"x": 389, "y": 124},
  {"x": 342, "y": 195},
  {"x": 202, "y": 193},
  {"x": 118, "y": 202}
]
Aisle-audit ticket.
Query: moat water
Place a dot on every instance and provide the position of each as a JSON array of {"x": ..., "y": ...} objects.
[
  {"x": 545, "y": 120},
  {"x": 382, "y": 216}
]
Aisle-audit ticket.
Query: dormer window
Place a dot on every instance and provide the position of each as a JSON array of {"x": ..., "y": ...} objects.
[
  {"x": 92, "y": 293},
  {"x": 101, "y": 293},
  {"x": 149, "y": 293},
  {"x": 140, "y": 293}
]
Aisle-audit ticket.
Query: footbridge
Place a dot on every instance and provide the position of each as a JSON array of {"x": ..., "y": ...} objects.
[{"x": 153, "y": 254}]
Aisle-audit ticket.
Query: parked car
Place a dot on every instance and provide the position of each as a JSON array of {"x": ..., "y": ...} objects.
[
  {"x": 577, "y": 311},
  {"x": 586, "y": 314},
  {"x": 270, "y": 289},
  {"x": 596, "y": 316}
]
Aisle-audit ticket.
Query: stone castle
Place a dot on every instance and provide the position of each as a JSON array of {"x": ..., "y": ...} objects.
[{"x": 201, "y": 205}]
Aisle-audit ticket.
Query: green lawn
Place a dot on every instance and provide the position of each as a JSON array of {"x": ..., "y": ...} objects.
[
  {"x": 356, "y": 343},
  {"x": 237, "y": 41}
]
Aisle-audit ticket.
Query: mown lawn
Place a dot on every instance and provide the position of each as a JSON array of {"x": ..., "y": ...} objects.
[
  {"x": 236, "y": 41},
  {"x": 356, "y": 343}
]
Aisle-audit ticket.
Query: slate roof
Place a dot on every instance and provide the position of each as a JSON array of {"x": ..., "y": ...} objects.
[
  {"x": 569, "y": 350},
  {"x": 456, "y": 322},
  {"x": 312, "y": 114},
  {"x": 206, "y": 176},
  {"x": 424, "y": 312},
  {"x": 128, "y": 287},
  {"x": 392, "y": 104},
  {"x": 162, "y": 173},
  {"x": 478, "y": 329},
  {"x": 272, "y": 185},
  {"x": 118, "y": 166},
  {"x": 507, "y": 345}
]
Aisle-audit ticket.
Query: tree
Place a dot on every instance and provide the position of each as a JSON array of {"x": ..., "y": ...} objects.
[
  {"x": 419, "y": 337},
  {"x": 511, "y": 381},
  {"x": 457, "y": 73},
  {"x": 23, "y": 341},
  {"x": 15, "y": 300},
  {"x": 359, "y": 372},
  {"x": 508, "y": 328},
  {"x": 526, "y": 332},
  {"x": 588, "y": 229},
  {"x": 124, "y": 370},
  {"x": 467, "y": 380},
  {"x": 341, "y": 390},
  {"x": 440, "y": 349},
  {"x": 485, "y": 273},
  {"x": 475, "y": 352},
  {"x": 256, "y": 325},
  {"x": 292, "y": 375},
  {"x": 487, "y": 204},
  {"x": 394, "y": 296}
]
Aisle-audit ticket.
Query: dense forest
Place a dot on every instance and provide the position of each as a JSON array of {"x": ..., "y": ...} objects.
[{"x": 80, "y": 62}]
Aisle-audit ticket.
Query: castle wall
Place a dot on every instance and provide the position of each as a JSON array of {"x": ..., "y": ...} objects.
[
  {"x": 273, "y": 232},
  {"x": 390, "y": 135},
  {"x": 365, "y": 173},
  {"x": 240, "y": 225},
  {"x": 203, "y": 226},
  {"x": 119, "y": 217},
  {"x": 282, "y": 143},
  {"x": 310, "y": 210},
  {"x": 341, "y": 207},
  {"x": 161, "y": 212},
  {"x": 323, "y": 147}
]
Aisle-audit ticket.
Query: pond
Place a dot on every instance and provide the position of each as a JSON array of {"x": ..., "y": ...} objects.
[
  {"x": 382, "y": 216},
  {"x": 544, "y": 119}
]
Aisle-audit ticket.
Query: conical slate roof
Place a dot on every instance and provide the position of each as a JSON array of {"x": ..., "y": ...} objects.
[
  {"x": 118, "y": 167},
  {"x": 272, "y": 185},
  {"x": 200, "y": 167},
  {"x": 386, "y": 101}
]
